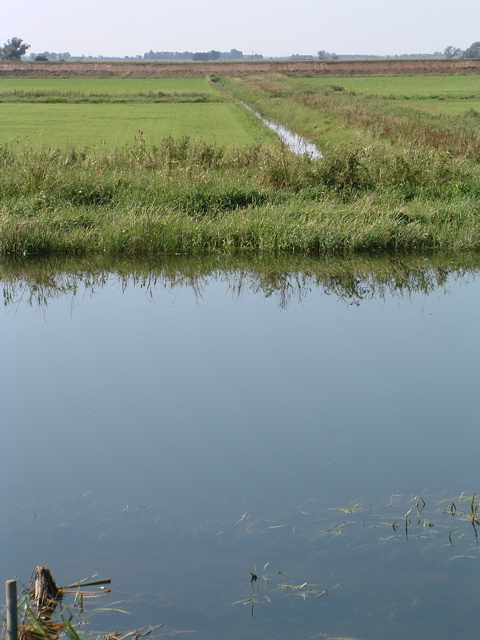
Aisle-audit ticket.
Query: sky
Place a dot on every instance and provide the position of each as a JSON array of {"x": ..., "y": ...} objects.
[{"x": 268, "y": 27}]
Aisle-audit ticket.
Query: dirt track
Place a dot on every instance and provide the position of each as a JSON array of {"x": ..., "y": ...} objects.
[{"x": 193, "y": 69}]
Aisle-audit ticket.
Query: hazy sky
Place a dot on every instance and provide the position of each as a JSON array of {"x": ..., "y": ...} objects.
[{"x": 270, "y": 27}]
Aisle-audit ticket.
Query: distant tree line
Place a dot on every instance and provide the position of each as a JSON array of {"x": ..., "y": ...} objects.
[
  {"x": 206, "y": 55},
  {"x": 49, "y": 55},
  {"x": 16, "y": 48},
  {"x": 299, "y": 56},
  {"x": 233, "y": 54},
  {"x": 168, "y": 55}
]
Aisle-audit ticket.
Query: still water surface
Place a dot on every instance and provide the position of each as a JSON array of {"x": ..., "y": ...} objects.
[{"x": 178, "y": 438}]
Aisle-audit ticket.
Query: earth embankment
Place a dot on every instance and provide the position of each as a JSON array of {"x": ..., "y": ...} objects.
[{"x": 193, "y": 69}]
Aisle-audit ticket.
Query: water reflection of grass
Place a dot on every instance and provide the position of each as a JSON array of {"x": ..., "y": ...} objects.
[{"x": 289, "y": 278}]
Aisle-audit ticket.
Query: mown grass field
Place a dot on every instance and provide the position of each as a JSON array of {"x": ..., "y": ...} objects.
[
  {"x": 182, "y": 172},
  {"x": 105, "y": 126},
  {"x": 415, "y": 86},
  {"x": 107, "y": 113},
  {"x": 120, "y": 86}
]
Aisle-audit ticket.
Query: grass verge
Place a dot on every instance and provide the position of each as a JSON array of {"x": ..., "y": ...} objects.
[{"x": 192, "y": 197}]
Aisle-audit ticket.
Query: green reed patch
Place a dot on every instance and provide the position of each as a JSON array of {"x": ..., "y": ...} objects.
[{"x": 184, "y": 196}]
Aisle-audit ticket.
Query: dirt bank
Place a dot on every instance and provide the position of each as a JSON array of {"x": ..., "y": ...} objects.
[{"x": 193, "y": 69}]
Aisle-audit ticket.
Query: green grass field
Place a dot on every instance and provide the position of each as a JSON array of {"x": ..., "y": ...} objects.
[
  {"x": 399, "y": 86},
  {"x": 437, "y": 94},
  {"x": 120, "y": 86},
  {"x": 110, "y": 125},
  {"x": 332, "y": 111},
  {"x": 447, "y": 106},
  {"x": 33, "y": 112}
]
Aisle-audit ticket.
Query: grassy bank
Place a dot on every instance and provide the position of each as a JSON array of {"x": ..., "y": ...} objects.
[
  {"x": 392, "y": 179},
  {"x": 184, "y": 197}
]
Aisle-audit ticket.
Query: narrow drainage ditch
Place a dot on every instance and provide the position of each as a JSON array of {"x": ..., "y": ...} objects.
[{"x": 293, "y": 141}]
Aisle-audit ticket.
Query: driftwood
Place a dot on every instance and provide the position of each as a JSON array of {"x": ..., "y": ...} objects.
[{"x": 45, "y": 592}]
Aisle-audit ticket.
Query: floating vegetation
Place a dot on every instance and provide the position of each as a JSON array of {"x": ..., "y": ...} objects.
[
  {"x": 438, "y": 519},
  {"x": 310, "y": 555},
  {"x": 42, "y": 613},
  {"x": 44, "y": 616},
  {"x": 439, "y": 525}
]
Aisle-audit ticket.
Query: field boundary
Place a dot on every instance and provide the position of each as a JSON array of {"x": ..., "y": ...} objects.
[{"x": 195, "y": 69}]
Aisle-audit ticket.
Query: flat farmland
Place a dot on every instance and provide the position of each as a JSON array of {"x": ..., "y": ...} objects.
[
  {"x": 113, "y": 125},
  {"x": 407, "y": 85},
  {"x": 439, "y": 112},
  {"x": 439, "y": 94},
  {"x": 112, "y": 86},
  {"x": 107, "y": 113},
  {"x": 395, "y": 175}
]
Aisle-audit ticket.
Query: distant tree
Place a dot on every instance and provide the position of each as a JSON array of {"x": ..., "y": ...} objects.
[
  {"x": 235, "y": 54},
  {"x": 473, "y": 51},
  {"x": 200, "y": 55},
  {"x": 452, "y": 52},
  {"x": 41, "y": 59},
  {"x": 14, "y": 49},
  {"x": 325, "y": 55},
  {"x": 214, "y": 55}
]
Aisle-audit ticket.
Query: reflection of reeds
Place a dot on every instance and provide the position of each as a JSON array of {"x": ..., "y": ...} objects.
[{"x": 290, "y": 278}]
